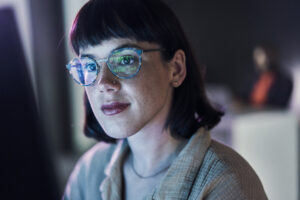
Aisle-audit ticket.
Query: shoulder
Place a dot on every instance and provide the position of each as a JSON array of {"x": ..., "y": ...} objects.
[
  {"x": 89, "y": 171},
  {"x": 228, "y": 159},
  {"x": 224, "y": 174}
]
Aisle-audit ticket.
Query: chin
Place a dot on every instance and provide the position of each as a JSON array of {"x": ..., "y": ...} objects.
[
  {"x": 119, "y": 132},
  {"x": 121, "y": 129}
]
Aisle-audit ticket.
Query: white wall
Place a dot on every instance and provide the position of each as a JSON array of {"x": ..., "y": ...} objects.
[
  {"x": 295, "y": 99},
  {"x": 269, "y": 142}
]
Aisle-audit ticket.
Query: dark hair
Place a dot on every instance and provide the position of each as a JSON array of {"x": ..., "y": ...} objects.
[{"x": 151, "y": 21}]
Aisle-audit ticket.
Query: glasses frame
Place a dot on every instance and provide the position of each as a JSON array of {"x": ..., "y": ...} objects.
[{"x": 99, "y": 63}]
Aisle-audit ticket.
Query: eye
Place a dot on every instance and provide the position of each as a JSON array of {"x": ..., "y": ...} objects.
[
  {"x": 126, "y": 60},
  {"x": 91, "y": 67}
]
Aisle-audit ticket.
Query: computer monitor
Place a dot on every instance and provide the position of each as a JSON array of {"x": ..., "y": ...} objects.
[{"x": 26, "y": 170}]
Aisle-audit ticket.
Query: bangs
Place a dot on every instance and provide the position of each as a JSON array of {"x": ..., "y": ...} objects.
[{"x": 99, "y": 20}]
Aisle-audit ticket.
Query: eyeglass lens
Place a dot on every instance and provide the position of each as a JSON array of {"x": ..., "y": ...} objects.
[
  {"x": 123, "y": 63},
  {"x": 83, "y": 70}
]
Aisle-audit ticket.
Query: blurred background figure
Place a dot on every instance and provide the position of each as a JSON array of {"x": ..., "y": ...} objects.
[{"x": 271, "y": 87}]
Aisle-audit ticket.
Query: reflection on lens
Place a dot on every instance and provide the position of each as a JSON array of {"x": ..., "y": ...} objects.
[
  {"x": 84, "y": 70},
  {"x": 124, "y": 62}
]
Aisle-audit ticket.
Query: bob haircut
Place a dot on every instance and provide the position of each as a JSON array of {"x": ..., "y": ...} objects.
[{"x": 151, "y": 21}]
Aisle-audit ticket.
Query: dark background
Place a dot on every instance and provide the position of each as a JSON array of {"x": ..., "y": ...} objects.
[{"x": 224, "y": 33}]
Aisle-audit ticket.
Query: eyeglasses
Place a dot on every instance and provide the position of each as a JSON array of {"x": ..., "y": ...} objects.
[{"x": 124, "y": 63}]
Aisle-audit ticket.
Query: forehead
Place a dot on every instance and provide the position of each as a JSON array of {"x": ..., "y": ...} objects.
[{"x": 105, "y": 47}]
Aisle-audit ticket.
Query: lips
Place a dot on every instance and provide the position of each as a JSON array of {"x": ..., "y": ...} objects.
[{"x": 113, "y": 108}]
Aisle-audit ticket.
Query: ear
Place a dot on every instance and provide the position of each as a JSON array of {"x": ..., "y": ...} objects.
[{"x": 177, "y": 68}]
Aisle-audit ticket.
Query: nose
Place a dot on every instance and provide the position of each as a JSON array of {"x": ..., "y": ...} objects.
[{"x": 106, "y": 81}]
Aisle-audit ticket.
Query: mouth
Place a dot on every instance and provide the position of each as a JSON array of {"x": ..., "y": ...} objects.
[{"x": 113, "y": 108}]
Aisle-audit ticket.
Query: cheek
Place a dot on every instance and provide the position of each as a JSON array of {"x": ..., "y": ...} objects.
[
  {"x": 152, "y": 90},
  {"x": 90, "y": 94},
  {"x": 93, "y": 100}
]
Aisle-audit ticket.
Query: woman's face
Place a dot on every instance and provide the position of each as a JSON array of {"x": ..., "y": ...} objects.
[{"x": 124, "y": 107}]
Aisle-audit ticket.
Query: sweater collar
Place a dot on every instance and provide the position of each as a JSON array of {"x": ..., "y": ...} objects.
[
  {"x": 179, "y": 179},
  {"x": 111, "y": 186}
]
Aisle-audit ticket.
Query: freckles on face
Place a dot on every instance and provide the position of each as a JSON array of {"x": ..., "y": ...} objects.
[
  {"x": 152, "y": 89},
  {"x": 139, "y": 101}
]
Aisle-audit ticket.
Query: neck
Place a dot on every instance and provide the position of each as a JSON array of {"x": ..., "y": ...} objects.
[{"x": 153, "y": 150}]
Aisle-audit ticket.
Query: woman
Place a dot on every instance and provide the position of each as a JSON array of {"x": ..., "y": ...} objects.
[
  {"x": 271, "y": 87},
  {"x": 146, "y": 95}
]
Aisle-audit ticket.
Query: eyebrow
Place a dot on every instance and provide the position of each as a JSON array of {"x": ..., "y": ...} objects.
[{"x": 126, "y": 45}]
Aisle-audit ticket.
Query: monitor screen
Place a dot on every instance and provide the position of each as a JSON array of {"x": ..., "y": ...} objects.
[{"x": 25, "y": 165}]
